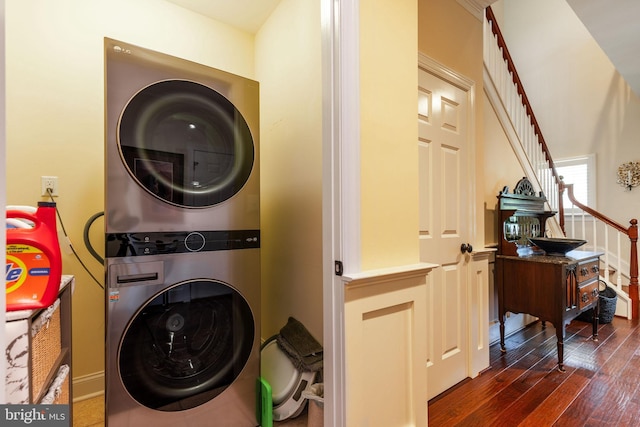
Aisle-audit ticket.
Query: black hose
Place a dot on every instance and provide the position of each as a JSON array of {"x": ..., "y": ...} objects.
[
  {"x": 64, "y": 231},
  {"x": 87, "y": 242}
]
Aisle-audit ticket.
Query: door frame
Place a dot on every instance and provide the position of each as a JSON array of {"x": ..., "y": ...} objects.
[{"x": 340, "y": 187}]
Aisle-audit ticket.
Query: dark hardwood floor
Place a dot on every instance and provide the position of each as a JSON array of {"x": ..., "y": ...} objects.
[{"x": 523, "y": 387}]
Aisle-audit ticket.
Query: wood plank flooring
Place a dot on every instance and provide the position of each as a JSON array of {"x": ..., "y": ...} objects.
[{"x": 523, "y": 387}]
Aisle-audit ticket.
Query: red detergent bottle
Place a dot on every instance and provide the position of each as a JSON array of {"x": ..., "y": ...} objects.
[{"x": 34, "y": 264}]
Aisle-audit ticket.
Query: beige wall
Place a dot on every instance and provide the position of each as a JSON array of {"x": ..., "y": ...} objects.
[
  {"x": 55, "y": 111},
  {"x": 452, "y": 36},
  {"x": 502, "y": 168},
  {"x": 288, "y": 65},
  {"x": 389, "y": 133}
]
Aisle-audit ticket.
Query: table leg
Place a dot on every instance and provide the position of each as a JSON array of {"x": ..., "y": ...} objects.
[
  {"x": 503, "y": 349},
  {"x": 596, "y": 320},
  {"x": 560, "y": 336}
]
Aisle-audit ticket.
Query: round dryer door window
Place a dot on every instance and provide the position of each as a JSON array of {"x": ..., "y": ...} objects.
[
  {"x": 185, "y": 143},
  {"x": 186, "y": 345}
]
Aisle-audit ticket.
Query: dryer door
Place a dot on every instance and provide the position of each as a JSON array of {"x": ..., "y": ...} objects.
[
  {"x": 185, "y": 143},
  {"x": 186, "y": 345}
]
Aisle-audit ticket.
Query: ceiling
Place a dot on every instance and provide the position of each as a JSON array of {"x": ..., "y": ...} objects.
[
  {"x": 615, "y": 25},
  {"x": 247, "y": 15}
]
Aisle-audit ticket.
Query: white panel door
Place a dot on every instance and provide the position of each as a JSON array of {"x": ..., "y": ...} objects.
[{"x": 445, "y": 222}]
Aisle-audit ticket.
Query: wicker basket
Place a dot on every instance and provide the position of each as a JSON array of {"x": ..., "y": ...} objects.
[{"x": 46, "y": 347}]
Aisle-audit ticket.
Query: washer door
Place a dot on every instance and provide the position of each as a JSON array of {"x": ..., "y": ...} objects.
[
  {"x": 186, "y": 345},
  {"x": 185, "y": 143}
]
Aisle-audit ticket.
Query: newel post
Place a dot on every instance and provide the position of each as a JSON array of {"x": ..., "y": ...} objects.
[
  {"x": 633, "y": 268},
  {"x": 561, "y": 204}
]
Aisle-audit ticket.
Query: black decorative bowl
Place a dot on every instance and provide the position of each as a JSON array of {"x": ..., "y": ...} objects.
[{"x": 556, "y": 245}]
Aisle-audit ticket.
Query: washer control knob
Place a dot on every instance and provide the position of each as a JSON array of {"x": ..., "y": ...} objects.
[{"x": 194, "y": 242}]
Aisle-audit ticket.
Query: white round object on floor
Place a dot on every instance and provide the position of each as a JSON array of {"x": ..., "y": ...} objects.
[{"x": 286, "y": 381}]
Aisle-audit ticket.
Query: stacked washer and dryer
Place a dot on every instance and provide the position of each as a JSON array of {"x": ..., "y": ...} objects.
[{"x": 182, "y": 258}]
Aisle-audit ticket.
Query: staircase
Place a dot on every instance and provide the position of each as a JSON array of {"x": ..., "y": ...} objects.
[{"x": 506, "y": 93}]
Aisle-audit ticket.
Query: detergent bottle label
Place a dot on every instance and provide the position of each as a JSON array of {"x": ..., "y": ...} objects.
[{"x": 26, "y": 264}]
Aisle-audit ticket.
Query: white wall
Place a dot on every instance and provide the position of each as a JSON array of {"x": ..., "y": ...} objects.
[{"x": 582, "y": 104}]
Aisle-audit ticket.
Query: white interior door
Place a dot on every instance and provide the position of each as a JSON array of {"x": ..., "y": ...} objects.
[{"x": 443, "y": 111}]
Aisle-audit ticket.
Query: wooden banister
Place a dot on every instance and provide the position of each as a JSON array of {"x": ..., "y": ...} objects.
[
  {"x": 520, "y": 88},
  {"x": 594, "y": 213},
  {"x": 633, "y": 267},
  {"x": 631, "y": 232}
]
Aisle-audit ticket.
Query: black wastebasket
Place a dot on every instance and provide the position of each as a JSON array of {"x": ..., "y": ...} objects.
[{"x": 608, "y": 298}]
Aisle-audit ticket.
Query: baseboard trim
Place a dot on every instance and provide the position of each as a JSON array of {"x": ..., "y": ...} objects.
[{"x": 88, "y": 386}]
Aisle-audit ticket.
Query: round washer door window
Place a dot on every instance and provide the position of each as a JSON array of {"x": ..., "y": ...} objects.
[
  {"x": 185, "y": 143},
  {"x": 186, "y": 345}
]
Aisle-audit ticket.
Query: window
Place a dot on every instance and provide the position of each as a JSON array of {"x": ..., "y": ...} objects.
[{"x": 581, "y": 172}]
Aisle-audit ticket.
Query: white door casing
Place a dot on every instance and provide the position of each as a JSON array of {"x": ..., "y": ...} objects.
[
  {"x": 340, "y": 187},
  {"x": 446, "y": 218}
]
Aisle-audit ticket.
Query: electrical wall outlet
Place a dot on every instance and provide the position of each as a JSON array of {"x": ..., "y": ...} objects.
[{"x": 49, "y": 183}]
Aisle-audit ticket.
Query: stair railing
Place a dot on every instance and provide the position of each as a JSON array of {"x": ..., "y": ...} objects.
[
  {"x": 603, "y": 233},
  {"x": 537, "y": 162},
  {"x": 502, "y": 71}
]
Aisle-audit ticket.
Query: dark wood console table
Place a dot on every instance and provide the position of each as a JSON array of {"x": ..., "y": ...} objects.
[{"x": 553, "y": 288}]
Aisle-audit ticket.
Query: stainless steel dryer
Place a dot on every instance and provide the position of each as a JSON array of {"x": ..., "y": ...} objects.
[
  {"x": 181, "y": 144},
  {"x": 183, "y": 342},
  {"x": 182, "y": 217}
]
